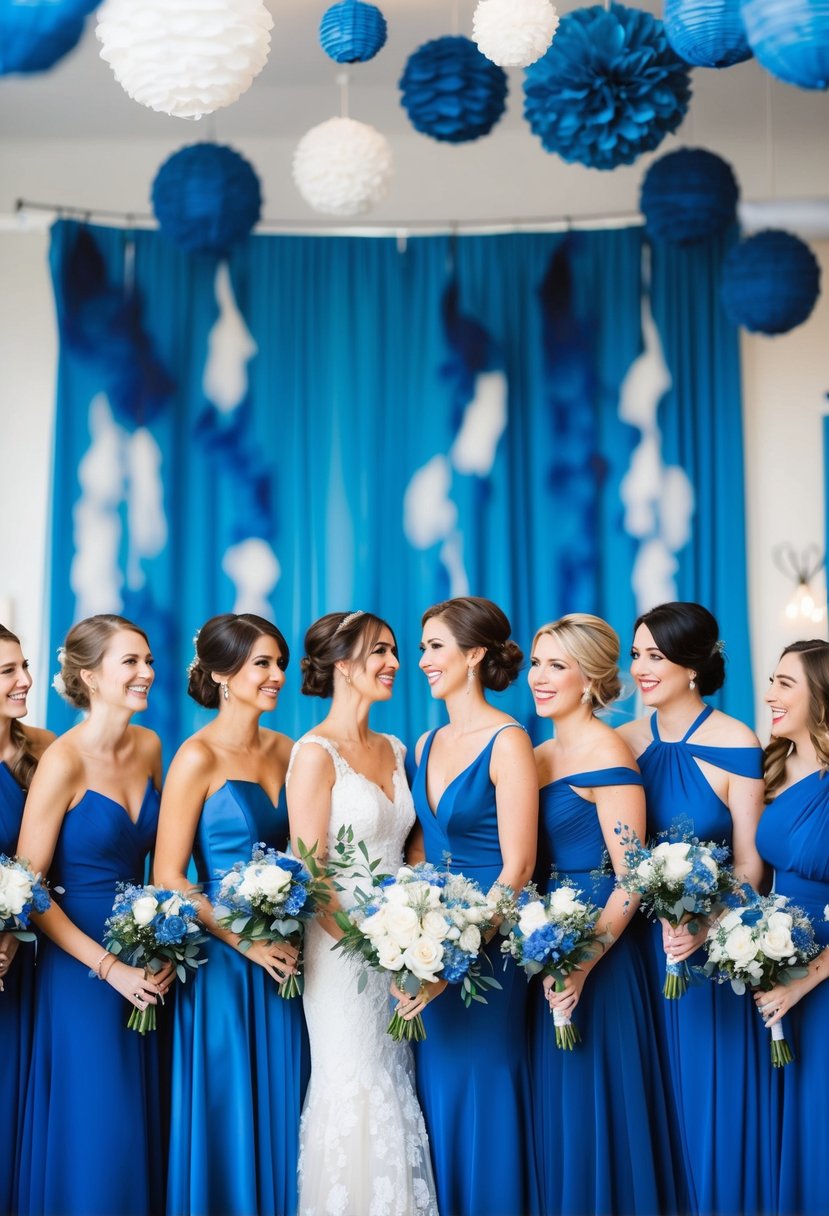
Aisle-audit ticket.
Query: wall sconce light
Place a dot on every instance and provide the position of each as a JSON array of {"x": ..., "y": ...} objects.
[{"x": 801, "y": 568}]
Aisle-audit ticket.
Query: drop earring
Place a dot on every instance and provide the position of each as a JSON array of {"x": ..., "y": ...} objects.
[
  {"x": 470, "y": 679},
  {"x": 692, "y": 683},
  {"x": 225, "y": 690},
  {"x": 586, "y": 696}
]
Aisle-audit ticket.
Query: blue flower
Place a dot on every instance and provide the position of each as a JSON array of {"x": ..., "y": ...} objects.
[
  {"x": 171, "y": 931},
  {"x": 751, "y": 916},
  {"x": 456, "y": 963},
  {"x": 802, "y": 938}
]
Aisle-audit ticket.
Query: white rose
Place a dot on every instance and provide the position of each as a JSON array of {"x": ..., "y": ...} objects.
[
  {"x": 423, "y": 958},
  {"x": 274, "y": 881},
  {"x": 532, "y": 917},
  {"x": 776, "y": 943},
  {"x": 374, "y": 926},
  {"x": 730, "y": 921},
  {"x": 470, "y": 939},
  {"x": 740, "y": 945},
  {"x": 478, "y": 914},
  {"x": 171, "y": 906},
  {"x": 563, "y": 901},
  {"x": 144, "y": 909},
  {"x": 435, "y": 925},
  {"x": 15, "y": 891},
  {"x": 710, "y": 864},
  {"x": 402, "y": 924},
  {"x": 779, "y": 920},
  {"x": 674, "y": 858},
  {"x": 389, "y": 954},
  {"x": 645, "y": 870}
]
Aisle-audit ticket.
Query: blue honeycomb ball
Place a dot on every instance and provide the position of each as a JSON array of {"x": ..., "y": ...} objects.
[
  {"x": 451, "y": 92},
  {"x": 688, "y": 195},
  {"x": 707, "y": 33},
  {"x": 206, "y": 198},
  {"x": 352, "y": 31},
  {"x": 33, "y": 37},
  {"x": 790, "y": 38},
  {"x": 770, "y": 282}
]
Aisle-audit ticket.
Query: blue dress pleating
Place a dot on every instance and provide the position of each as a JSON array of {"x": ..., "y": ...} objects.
[
  {"x": 794, "y": 838},
  {"x": 16, "y": 1010},
  {"x": 472, "y": 1069},
  {"x": 602, "y": 1124},
  {"x": 715, "y": 1047},
  {"x": 239, "y": 1051},
  {"x": 93, "y": 1114}
]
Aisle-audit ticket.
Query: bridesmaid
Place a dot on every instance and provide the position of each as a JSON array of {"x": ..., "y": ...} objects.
[
  {"x": 602, "y": 1130},
  {"x": 238, "y": 1064},
  {"x": 476, "y": 798},
  {"x": 90, "y": 1142},
  {"x": 20, "y": 749},
  {"x": 794, "y": 838},
  {"x": 706, "y": 767}
]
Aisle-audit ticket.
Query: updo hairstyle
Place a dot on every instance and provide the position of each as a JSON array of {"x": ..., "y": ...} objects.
[
  {"x": 814, "y": 657},
  {"x": 223, "y": 645},
  {"x": 591, "y": 643},
  {"x": 688, "y": 635},
  {"x": 84, "y": 649},
  {"x": 473, "y": 622},
  {"x": 24, "y": 762},
  {"x": 335, "y": 637}
]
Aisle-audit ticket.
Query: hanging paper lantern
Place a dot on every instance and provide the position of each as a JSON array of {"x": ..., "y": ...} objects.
[
  {"x": 689, "y": 195},
  {"x": 451, "y": 92},
  {"x": 206, "y": 198},
  {"x": 514, "y": 33},
  {"x": 609, "y": 88},
  {"x": 770, "y": 282},
  {"x": 790, "y": 38},
  {"x": 352, "y": 31},
  {"x": 342, "y": 167},
  {"x": 185, "y": 57},
  {"x": 34, "y": 35},
  {"x": 707, "y": 33}
]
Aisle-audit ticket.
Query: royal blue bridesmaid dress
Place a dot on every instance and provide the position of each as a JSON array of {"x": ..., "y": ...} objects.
[
  {"x": 472, "y": 1068},
  {"x": 16, "y": 1010},
  {"x": 92, "y": 1122},
  {"x": 602, "y": 1124},
  {"x": 715, "y": 1047},
  {"x": 239, "y": 1054},
  {"x": 793, "y": 836}
]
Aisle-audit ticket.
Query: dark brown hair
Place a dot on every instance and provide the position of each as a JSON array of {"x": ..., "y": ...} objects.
[
  {"x": 223, "y": 645},
  {"x": 474, "y": 621},
  {"x": 24, "y": 762},
  {"x": 814, "y": 658},
  {"x": 84, "y": 649},
  {"x": 334, "y": 637}
]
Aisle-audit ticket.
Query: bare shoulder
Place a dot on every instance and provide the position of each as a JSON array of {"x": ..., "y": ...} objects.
[
  {"x": 419, "y": 746},
  {"x": 511, "y": 744},
  {"x": 146, "y": 742},
  {"x": 636, "y": 735},
  {"x": 613, "y": 750},
  {"x": 312, "y": 762},
  {"x": 721, "y": 730},
  {"x": 61, "y": 764},
  {"x": 39, "y": 739},
  {"x": 194, "y": 760}
]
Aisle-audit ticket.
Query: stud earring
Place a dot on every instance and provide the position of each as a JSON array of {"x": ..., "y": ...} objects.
[{"x": 225, "y": 690}]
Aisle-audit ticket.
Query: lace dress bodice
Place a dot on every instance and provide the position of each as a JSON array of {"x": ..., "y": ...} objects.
[{"x": 363, "y": 1142}]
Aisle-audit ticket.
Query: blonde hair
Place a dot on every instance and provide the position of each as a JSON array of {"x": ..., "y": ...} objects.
[
  {"x": 84, "y": 650},
  {"x": 595, "y": 647},
  {"x": 814, "y": 659}
]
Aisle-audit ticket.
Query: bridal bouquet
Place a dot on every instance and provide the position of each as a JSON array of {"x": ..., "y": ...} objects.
[
  {"x": 149, "y": 927},
  {"x": 269, "y": 899},
  {"x": 552, "y": 935},
  {"x": 21, "y": 893},
  {"x": 678, "y": 879},
  {"x": 767, "y": 942},
  {"x": 422, "y": 924}
]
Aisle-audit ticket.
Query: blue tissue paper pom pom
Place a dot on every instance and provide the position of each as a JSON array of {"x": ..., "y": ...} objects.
[
  {"x": 34, "y": 36},
  {"x": 688, "y": 195},
  {"x": 206, "y": 198},
  {"x": 451, "y": 91},
  {"x": 609, "y": 88},
  {"x": 707, "y": 33},
  {"x": 770, "y": 282},
  {"x": 352, "y": 31}
]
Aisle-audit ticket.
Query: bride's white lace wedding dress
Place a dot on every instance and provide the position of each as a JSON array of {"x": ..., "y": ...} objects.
[{"x": 363, "y": 1150}]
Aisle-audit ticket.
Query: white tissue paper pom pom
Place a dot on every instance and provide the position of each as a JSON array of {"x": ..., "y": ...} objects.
[
  {"x": 342, "y": 167},
  {"x": 185, "y": 57},
  {"x": 514, "y": 33}
]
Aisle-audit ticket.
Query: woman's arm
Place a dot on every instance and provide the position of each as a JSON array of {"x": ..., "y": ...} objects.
[
  {"x": 309, "y": 812},
  {"x": 515, "y": 777},
  {"x": 777, "y": 1002}
]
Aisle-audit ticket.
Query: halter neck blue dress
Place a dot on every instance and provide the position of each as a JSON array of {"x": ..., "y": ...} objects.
[
  {"x": 16, "y": 1009},
  {"x": 794, "y": 838},
  {"x": 91, "y": 1127},
  {"x": 602, "y": 1127},
  {"x": 472, "y": 1071},
  {"x": 715, "y": 1047},
  {"x": 239, "y": 1054}
]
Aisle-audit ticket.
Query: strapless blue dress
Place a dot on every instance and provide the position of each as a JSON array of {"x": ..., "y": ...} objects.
[
  {"x": 472, "y": 1069},
  {"x": 92, "y": 1121},
  {"x": 794, "y": 838},
  {"x": 239, "y": 1053},
  {"x": 16, "y": 1010},
  {"x": 715, "y": 1047},
  {"x": 602, "y": 1124}
]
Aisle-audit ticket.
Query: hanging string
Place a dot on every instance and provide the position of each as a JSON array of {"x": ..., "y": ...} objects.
[{"x": 342, "y": 81}]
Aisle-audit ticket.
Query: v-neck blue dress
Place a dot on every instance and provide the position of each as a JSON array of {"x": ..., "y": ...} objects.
[
  {"x": 92, "y": 1123},
  {"x": 472, "y": 1068},
  {"x": 239, "y": 1050},
  {"x": 715, "y": 1046},
  {"x": 794, "y": 838},
  {"x": 16, "y": 1009},
  {"x": 602, "y": 1124}
]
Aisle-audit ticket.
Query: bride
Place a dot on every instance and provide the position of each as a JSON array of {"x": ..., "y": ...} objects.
[{"x": 363, "y": 1144}]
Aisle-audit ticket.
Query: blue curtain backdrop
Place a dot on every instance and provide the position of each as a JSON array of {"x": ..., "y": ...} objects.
[{"x": 368, "y": 357}]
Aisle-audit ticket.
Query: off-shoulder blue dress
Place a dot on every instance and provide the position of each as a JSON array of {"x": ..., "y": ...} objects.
[
  {"x": 472, "y": 1069},
  {"x": 602, "y": 1124},
  {"x": 794, "y": 838},
  {"x": 16, "y": 1010},
  {"x": 93, "y": 1115},
  {"x": 239, "y": 1053},
  {"x": 715, "y": 1045}
]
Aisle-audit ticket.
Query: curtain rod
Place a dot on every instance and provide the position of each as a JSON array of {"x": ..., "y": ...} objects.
[{"x": 391, "y": 228}]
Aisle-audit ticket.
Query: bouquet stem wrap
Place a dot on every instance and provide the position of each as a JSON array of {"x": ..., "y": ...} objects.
[
  {"x": 676, "y": 979},
  {"x": 781, "y": 1053},
  {"x": 567, "y": 1035}
]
